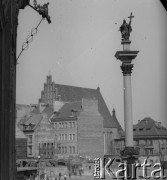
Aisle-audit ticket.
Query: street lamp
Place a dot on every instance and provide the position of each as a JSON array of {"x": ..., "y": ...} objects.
[{"x": 38, "y": 173}]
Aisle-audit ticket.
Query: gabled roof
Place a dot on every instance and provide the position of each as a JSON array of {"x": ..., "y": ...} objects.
[
  {"x": 73, "y": 94},
  {"x": 33, "y": 118}
]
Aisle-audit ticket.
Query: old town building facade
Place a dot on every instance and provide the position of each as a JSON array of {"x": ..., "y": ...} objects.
[
  {"x": 69, "y": 121},
  {"x": 150, "y": 138}
]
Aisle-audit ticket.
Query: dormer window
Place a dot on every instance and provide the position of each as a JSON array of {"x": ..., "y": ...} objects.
[
  {"x": 55, "y": 125},
  {"x": 57, "y": 113},
  {"x": 73, "y": 112}
]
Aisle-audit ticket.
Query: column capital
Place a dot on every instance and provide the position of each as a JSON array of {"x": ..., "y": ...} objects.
[{"x": 126, "y": 69}]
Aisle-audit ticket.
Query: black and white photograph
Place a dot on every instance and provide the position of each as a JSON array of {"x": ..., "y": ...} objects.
[{"x": 83, "y": 89}]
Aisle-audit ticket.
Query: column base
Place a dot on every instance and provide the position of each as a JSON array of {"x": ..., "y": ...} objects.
[{"x": 130, "y": 155}]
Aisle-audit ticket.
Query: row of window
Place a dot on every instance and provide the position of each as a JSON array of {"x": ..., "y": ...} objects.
[
  {"x": 64, "y": 125},
  {"x": 48, "y": 154},
  {"x": 64, "y": 137},
  {"x": 46, "y": 145},
  {"x": 147, "y": 142},
  {"x": 65, "y": 150}
]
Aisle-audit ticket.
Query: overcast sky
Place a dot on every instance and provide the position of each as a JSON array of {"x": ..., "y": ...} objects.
[{"x": 78, "y": 49}]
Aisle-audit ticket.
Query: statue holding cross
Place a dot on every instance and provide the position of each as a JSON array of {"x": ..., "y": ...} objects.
[{"x": 126, "y": 28}]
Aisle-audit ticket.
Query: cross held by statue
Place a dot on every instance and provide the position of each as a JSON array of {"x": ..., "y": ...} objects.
[{"x": 131, "y": 16}]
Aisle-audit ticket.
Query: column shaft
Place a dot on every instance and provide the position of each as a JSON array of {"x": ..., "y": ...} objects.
[{"x": 128, "y": 118}]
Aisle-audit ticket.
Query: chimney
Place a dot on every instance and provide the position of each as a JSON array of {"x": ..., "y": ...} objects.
[{"x": 98, "y": 88}]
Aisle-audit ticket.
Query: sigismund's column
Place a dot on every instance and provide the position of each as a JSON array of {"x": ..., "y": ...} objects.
[{"x": 129, "y": 154}]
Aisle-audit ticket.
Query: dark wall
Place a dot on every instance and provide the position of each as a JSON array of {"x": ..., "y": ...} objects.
[
  {"x": 21, "y": 148},
  {"x": 8, "y": 31}
]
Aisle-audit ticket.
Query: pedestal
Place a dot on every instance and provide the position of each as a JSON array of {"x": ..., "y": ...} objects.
[{"x": 130, "y": 156}]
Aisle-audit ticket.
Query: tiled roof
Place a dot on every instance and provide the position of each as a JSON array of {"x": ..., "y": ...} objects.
[
  {"x": 48, "y": 110},
  {"x": 35, "y": 111},
  {"x": 66, "y": 110},
  {"x": 34, "y": 119},
  {"x": 73, "y": 93},
  {"x": 149, "y": 128}
]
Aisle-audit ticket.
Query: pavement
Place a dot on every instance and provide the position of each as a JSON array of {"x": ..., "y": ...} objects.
[{"x": 107, "y": 177}]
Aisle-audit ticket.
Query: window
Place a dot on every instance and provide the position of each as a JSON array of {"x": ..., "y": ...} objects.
[
  {"x": 65, "y": 136},
  {"x": 65, "y": 125},
  {"x": 118, "y": 151},
  {"x": 62, "y": 150},
  {"x": 151, "y": 151},
  {"x": 73, "y": 149},
  {"x": 73, "y": 137},
  {"x": 149, "y": 142},
  {"x": 146, "y": 152},
  {"x": 29, "y": 138},
  {"x": 73, "y": 124},
  {"x": 60, "y": 125},
  {"x": 65, "y": 149},
  {"x": 70, "y": 137},
  {"x": 29, "y": 150},
  {"x": 70, "y": 124},
  {"x": 70, "y": 149},
  {"x": 59, "y": 137},
  {"x": 55, "y": 125}
]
